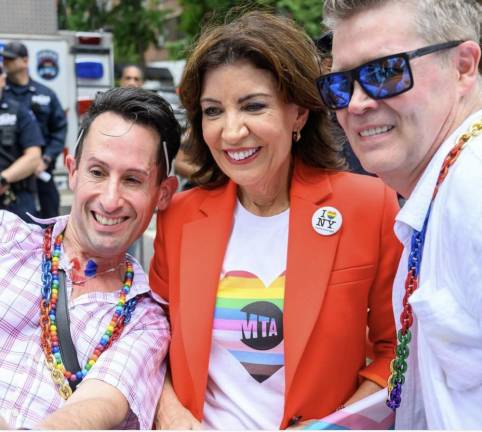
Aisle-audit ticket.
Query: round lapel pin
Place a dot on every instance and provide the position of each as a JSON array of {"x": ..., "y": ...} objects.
[{"x": 326, "y": 221}]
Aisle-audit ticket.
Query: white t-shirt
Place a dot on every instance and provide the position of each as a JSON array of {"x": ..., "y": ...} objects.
[{"x": 246, "y": 378}]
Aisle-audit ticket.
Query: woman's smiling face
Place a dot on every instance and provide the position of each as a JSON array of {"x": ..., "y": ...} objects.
[{"x": 247, "y": 126}]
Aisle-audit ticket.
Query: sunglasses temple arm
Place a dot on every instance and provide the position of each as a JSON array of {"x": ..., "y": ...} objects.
[{"x": 168, "y": 168}]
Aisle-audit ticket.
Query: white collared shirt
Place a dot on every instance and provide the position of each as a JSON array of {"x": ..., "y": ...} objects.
[{"x": 443, "y": 388}]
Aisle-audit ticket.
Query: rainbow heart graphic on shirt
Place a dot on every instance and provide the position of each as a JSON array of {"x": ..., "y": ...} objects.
[{"x": 248, "y": 320}]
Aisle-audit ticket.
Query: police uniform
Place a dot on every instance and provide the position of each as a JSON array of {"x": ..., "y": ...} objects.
[
  {"x": 43, "y": 102},
  {"x": 18, "y": 131}
]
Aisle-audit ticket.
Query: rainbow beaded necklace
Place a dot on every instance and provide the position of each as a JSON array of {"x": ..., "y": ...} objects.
[
  {"x": 48, "y": 317},
  {"x": 398, "y": 366}
]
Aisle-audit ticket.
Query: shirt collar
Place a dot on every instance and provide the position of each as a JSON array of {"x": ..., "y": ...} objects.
[
  {"x": 19, "y": 88},
  {"x": 412, "y": 214},
  {"x": 60, "y": 222},
  {"x": 140, "y": 284}
]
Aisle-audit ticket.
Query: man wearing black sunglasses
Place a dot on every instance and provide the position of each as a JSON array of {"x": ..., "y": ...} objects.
[{"x": 406, "y": 88}]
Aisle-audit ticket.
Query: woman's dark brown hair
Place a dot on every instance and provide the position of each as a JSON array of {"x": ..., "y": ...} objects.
[{"x": 271, "y": 43}]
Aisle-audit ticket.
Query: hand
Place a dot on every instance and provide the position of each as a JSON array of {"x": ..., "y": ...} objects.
[
  {"x": 171, "y": 413},
  {"x": 42, "y": 166},
  {"x": 176, "y": 417},
  {"x": 366, "y": 388}
]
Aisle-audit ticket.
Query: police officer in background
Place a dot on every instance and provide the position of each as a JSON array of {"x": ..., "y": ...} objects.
[
  {"x": 20, "y": 154},
  {"x": 51, "y": 118}
]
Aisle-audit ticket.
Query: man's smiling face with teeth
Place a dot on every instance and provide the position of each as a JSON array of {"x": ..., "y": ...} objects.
[
  {"x": 107, "y": 221},
  {"x": 115, "y": 185}
]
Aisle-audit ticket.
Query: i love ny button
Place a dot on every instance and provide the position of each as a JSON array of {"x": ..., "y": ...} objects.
[{"x": 326, "y": 220}]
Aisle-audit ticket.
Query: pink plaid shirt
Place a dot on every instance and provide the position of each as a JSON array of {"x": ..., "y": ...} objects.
[{"x": 134, "y": 364}]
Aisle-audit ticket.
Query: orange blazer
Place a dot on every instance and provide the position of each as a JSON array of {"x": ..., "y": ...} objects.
[{"x": 335, "y": 287}]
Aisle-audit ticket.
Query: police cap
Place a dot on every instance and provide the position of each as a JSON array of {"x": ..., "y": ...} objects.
[{"x": 14, "y": 50}]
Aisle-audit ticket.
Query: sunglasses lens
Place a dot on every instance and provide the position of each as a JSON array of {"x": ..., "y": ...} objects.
[
  {"x": 1, "y": 70},
  {"x": 386, "y": 77},
  {"x": 335, "y": 90}
]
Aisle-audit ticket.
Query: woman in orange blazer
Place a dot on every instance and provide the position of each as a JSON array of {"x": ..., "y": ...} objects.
[{"x": 276, "y": 265}]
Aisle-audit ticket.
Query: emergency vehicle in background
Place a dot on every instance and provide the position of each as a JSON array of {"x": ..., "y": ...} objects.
[{"x": 76, "y": 65}]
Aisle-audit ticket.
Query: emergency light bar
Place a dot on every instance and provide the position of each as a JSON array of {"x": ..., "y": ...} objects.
[
  {"x": 88, "y": 39},
  {"x": 91, "y": 70}
]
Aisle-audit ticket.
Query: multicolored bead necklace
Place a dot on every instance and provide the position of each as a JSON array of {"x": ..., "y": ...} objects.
[
  {"x": 399, "y": 366},
  {"x": 48, "y": 317}
]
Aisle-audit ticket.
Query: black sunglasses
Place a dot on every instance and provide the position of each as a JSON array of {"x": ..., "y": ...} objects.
[
  {"x": 380, "y": 78},
  {"x": 1, "y": 70}
]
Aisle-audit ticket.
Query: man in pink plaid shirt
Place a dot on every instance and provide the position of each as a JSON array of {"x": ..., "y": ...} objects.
[{"x": 118, "y": 176}]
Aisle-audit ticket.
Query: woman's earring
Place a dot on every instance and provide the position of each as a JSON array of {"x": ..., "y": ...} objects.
[{"x": 296, "y": 135}]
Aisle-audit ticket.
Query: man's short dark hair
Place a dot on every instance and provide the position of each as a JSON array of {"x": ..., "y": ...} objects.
[{"x": 142, "y": 107}]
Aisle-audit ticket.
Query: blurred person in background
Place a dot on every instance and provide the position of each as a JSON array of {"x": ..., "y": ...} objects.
[
  {"x": 183, "y": 167},
  {"x": 131, "y": 76},
  {"x": 43, "y": 102},
  {"x": 274, "y": 267},
  {"x": 20, "y": 154}
]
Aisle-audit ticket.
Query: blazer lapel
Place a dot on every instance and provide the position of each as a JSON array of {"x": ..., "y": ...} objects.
[
  {"x": 309, "y": 266},
  {"x": 203, "y": 246}
]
